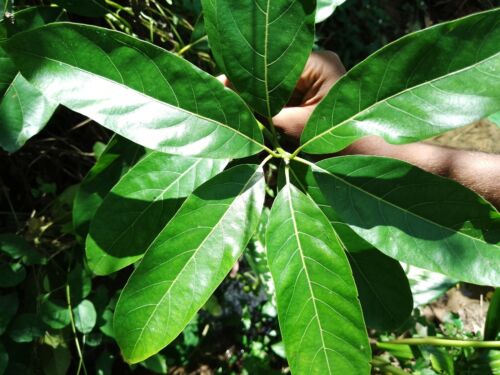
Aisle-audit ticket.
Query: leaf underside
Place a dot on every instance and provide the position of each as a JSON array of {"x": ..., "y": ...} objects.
[
  {"x": 318, "y": 309},
  {"x": 188, "y": 260},
  {"x": 422, "y": 85}
]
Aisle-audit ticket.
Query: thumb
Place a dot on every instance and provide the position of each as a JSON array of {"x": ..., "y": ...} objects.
[{"x": 292, "y": 120}]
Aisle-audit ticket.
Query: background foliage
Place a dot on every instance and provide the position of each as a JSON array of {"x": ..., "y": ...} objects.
[{"x": 55, "y": 318}]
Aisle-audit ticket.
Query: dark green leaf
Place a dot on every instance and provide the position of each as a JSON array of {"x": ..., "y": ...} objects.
[
  {"x": 8, "y": 71},
  {"x": 86, "y": 8},
  {"x": 319, "y": 312},
  {"x": 104, "y": 364},
  {"x": 414, "y": 216},
  {"x": 80, "y": 283},
  {"x": 8, "y": 307},
  {"x": 55, "y": 314},
  {"x": 4, "y": 356},
  {"x": 156, "y": 364},
  {"x": 140, "y": 205},
  {"x": 85, "y": 316},
  {"x": 17, "y": 247},
  {"x": 188, "y": 260},
  {"x": 55, "y": 361},
  {"x": 492, "y": 325},
  {"x": 383, "y": 287},
  {"x": 29, "y": 19},
  {"x": 26, "y": 328},
  {"x": 119, "y": 156},
  {"x": 424, "y": 84},
  {"x": 11, "y": 274},
  {"x": 159, "y": 100},
  {"x": 263, "y": 46}
]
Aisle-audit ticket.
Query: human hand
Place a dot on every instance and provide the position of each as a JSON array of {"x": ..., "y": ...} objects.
[{"x": 322, "y": 70}]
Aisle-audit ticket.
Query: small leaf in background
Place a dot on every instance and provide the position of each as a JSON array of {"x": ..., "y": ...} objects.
[
  {"x": 85, "y": 316},
  {"x": 80, "y": 283},
  {"x": 492, "y": 325},
  {"x": 18, "y": 248},
  {"x": 325, "y": 8},
  {"x": 26, "y": 328},
  {"x": 86, "y": 8},
  {"x": 55, "y": 361},
  {"x": 156, "y": 364},
  {"x": 120, "y": 154},
  {"x": 11, "y": 274},
  {"x": 261, "y": 60},
  {"x": 4, "y": 356},
  {"x": 55, "y": 314},
  {"x": 8, "y": 308}
]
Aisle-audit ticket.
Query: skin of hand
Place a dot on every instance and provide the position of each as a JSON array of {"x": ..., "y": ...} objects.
[{"x": 476, "y": 170}]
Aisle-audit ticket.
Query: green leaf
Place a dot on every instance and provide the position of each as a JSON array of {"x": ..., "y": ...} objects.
[
  {"x": 55, "y": 315},
  {"x": 263, "y": 46},
  {"x": 86, "y": 8},
  {"x": 156, "y": 364},
  {"x": 8, "y": 71},
  {"x": 26, "y": 328},
  {"x": 319, "y": 312},
  {"x": 11, "y": 274},
  {"x": 424, "y": 84},
  {"x": 85, "y": 316},
  {"x": 414, "y": 216},
  {"x": 55, "y": 361},
  {"x": 8, "y": 306},
  {"x": 325, "y": 8},
  {"x": 17, "y": 248},
  {"x": 80, "y": 283},
  {"x": 119, "y": 156},
  {"x": 24, "y": 111},
  {"x": 158, "y": 100},
  {"x": 383, "y": 287},
  {"x": 492, "y": 325},
  {"x": 140, "y": 205},
  {"x": 384, "y": 290},
  {"x": 188, "y": 260}
]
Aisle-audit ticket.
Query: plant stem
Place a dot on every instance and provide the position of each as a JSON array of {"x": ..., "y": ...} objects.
[
  {"x": 436, "y": 341},
  {"x": 81, "y": 363},
  {"x": 387, "y": 367},
  {"x": 190, "y": 45}
]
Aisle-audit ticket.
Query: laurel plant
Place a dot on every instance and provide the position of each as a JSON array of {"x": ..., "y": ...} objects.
[{"x": 184, "y": 213}]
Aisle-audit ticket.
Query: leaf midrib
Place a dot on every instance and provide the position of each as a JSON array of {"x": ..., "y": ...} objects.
[
  {"x": 408, "y": 89},
  {"x": 190, "y": 113}
]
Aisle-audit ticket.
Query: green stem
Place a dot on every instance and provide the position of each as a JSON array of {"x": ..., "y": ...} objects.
[
  {"x": 436, "y": 341},
  {"x": 81, "y": 363},
  {"x": 273, "y": 131},
  {"x": 191, "y": 45}
]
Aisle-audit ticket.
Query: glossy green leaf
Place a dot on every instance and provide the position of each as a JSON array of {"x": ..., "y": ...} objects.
[
  {"x": 139, "y": 206},
  {"x": 87, "y": 8},
  {"x": 422, "y": 85},
  {"x": 384, "y": 291},
  {"x": 8, "y": 71},
  {"x": 158, "y": 99},
  {"x": 325, "y": 8},
  {"x": 319, "y": 312},
  {"x": 263, "y": 46},
  {"x": 414, "y": 216},
  {"x": 55, "y": 314},
  {"x": 188, "y": 260},
  {"x": 18, "y": 248},
  {"x": 8, "y": 306},
  {"x": 24, "y": 111},
  {"x": 492, "y": 324},
  {"x": 85, "y": 316},
  {"x": 119, "y": 156}
]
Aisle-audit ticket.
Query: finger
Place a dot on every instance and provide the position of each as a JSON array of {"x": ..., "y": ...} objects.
[
  {"x": 223, "y": 79},
  {"x": 291, "y": 121}
]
